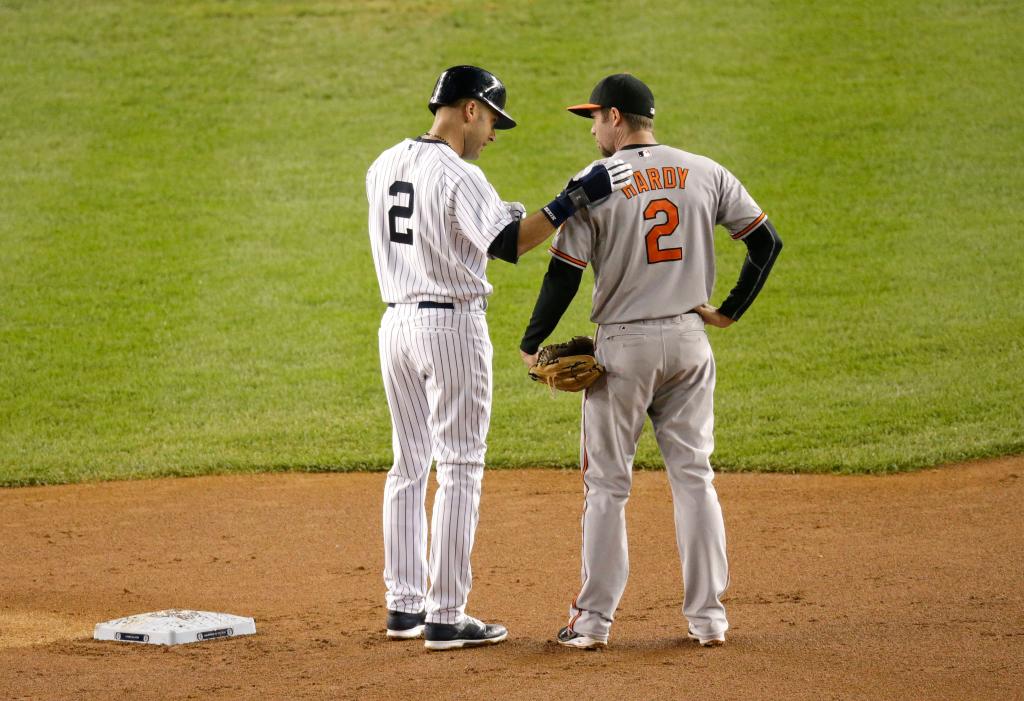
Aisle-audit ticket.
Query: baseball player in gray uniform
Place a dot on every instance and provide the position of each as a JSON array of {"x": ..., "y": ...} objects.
[
  {"x": 652, "y": 249},
  {"x": 434, "y": 221}
]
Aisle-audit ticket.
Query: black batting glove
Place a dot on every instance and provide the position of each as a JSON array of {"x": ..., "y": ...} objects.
[{"x": 592, "y": 184}]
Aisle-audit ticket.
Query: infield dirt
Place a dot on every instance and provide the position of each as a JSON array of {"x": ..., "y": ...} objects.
[{"x": 903, "y": 586}]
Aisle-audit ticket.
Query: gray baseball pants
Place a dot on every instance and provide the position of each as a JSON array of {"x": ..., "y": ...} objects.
[{"x": 664, "y": 369}]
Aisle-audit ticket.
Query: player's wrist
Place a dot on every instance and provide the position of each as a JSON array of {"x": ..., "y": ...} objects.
[
  {"x": 729, "y": 310},
  {"x": 559, "y": 209}
]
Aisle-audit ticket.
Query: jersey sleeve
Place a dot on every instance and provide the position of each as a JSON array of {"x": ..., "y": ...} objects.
[
  {"x": 574, "y": 241},
  {"x": 369, "y": 182},
  {"x": 737, "y": 210},
  {"x": 478, "y": 212}
]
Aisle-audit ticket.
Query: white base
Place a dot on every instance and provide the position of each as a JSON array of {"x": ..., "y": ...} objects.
[{"x": 174, "y": 627}]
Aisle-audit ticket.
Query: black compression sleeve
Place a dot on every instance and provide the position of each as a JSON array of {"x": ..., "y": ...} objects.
[
  {"x": 556, "y": 292},
  {"x": 506, "y": 244},
  {"x": 763, "y": 246}
]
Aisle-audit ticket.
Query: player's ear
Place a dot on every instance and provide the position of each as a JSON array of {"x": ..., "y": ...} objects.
[
  {"x": 469, "y": 110},
  {"x": 614, "y": 116}
]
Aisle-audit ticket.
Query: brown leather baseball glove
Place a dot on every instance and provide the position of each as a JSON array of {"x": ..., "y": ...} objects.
[{"x": 569, "y": 366}]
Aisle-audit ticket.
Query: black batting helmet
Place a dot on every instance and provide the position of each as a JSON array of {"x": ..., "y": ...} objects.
[{"x": 469, "y": 81}]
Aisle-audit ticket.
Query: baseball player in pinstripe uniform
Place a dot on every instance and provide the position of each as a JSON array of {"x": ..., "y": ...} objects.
[
  {"x": 434, "y": 221},
  {"x": 652, "y": 249}
]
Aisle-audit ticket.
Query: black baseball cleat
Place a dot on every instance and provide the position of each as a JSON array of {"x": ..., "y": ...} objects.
[
  {"x": 570, "y": 638},
  {"x": 404, "y": 626},
  {"x": 469, "y": 633}
]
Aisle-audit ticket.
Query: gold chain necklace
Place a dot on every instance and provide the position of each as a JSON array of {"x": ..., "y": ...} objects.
[{"x": 439, "y": 138}]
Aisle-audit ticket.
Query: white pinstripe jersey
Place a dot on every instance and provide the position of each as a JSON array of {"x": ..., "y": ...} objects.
[
  {"x": 432, "y": 218},
  {"x": 651, "y": 244}
]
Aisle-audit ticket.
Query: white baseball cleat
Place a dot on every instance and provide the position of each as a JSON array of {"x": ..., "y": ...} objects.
[
  {"x": 711, "y": 641},
  {"x": 571, "y": 638}
]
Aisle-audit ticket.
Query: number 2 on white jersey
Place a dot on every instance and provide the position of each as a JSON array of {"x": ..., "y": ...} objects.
[
  {"x": 404, "y": 211},
  {"x": 656, "y": 254}
]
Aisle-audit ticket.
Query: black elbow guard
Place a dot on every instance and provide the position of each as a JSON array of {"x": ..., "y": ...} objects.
[{"x": 506, "y": 244}]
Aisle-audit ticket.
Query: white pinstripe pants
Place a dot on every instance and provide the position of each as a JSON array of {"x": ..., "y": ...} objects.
[{"x": 436, "y": 365}]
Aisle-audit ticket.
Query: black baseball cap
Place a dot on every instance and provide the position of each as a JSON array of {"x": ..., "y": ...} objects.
[{"x": 621, "y": 90}]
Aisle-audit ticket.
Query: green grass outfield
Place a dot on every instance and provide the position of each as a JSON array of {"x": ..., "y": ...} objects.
[{"x": 186, "y": 284}]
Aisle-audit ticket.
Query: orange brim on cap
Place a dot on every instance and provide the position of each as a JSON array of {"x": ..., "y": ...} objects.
[{"x": 584, "y": 110}]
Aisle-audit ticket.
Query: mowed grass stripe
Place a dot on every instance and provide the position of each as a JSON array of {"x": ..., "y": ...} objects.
[{"x": 186, "y": 283}]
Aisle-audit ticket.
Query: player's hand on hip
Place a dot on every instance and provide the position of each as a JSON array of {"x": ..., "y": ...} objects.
[
  {"x": 529, "y": 360},
  {"x": 712, "y": 316}
]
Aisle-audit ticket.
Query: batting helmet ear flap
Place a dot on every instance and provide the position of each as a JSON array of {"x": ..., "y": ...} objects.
[{"x": 470, "y": 81}]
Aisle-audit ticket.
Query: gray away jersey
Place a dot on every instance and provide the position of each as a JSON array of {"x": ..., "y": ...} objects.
[
  {"x": 432, "y": 218},
  {"x": 652, "y": 243}
]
